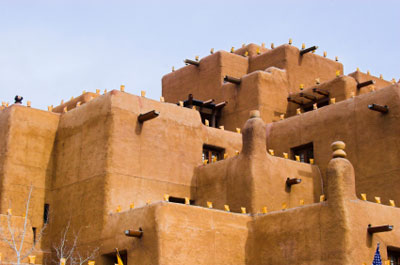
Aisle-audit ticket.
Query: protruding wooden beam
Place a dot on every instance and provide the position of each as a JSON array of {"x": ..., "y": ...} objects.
[
  {"x": 134, "y": 233},
  {"x": 379, "y": 229},
  {"x": 379, "y": 108},
  {"x": 148, "y": 116},
  {"x": 232, "y": 79},
  {"x": 289, "y": 99},
  {"x": 308, "y": 96},
  {"x": 188, "y": 61},
  {"x": 366, "y": 83},
  {"x": 320, "y": 91},
  {"x": 208, "y": 102},
  {"x": 220, "y": 105},
  {"x": 313, "y": 48},
  {"x": 293, "y": 181}
]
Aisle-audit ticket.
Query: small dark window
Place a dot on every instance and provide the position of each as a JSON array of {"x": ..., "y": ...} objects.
[
  {"x": 46, "y": 213},
  {"x": 179, "y": 200},
  {"x": 34, "y": 234},
  {"x": 305, "y": 152},
  {"x": 111, "y": 258},
  {"x": 394, "y": 255},
  {"x": 212, "y": 152}
]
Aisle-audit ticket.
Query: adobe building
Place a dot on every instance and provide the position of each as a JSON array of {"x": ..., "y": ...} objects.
[{"x": 254, "y": 156}]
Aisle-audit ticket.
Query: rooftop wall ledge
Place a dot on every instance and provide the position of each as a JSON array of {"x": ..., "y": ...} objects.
[
  {"x": 254, "y": 135},
  {"x": 340, "y": 184}
]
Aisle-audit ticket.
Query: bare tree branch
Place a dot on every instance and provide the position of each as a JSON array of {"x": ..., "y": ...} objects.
[
  {"x": 18, "y": 240},
  {"x": 68, "y": 249}
]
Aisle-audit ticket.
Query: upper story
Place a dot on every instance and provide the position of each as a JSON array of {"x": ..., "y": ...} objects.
[{"x": 280, "y": 82}]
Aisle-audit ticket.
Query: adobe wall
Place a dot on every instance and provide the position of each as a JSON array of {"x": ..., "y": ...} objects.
[
  {"x": 79, "y": 178},
  {"x": 159, "y": 156},
  {"x": 255, "y": 179},
  {"x": 27, "y": 155},
  {"x": 260, "y": 90},
  {"x": 371, "y": 138},
  {"x": 203, "y": 81},
  {"x": 178, "y": 234},
  {"x": 363, "y": 77},
  {"x": 300, "y": 69},
  {"x": 332, "y": 232},
  {"x": 364, "y": 213},
  {"x": 339, "y": 88},
  {"x": 106, "y": 159}
]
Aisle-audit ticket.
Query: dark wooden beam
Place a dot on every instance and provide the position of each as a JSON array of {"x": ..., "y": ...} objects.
[
  {"x": 321, "y": 91},
  {"x": 220, "y": 105},
  {"x": 308, "y": 96},
  {"x": 366, "y": 83},
  {"x": 134, "y": 233},
  {"x": 379, "y": 229},
  {"x": 188, "y": 61},
  {"x": 320, "y": 101},
  {"x": 232, "y": 79},
  {"x": 379, "y": 108},
  {"x": 289, "y": 99},
  {"x": 293, "y": 181},
  {"x": 208, "y": 102},
  {"x": 148, "y": 116},
  {"x": 313, "y": 48}
]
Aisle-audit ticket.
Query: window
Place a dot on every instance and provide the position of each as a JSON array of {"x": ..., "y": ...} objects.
[
  {"x": 111, "y": 258},
  {"x": 179, "y": 200},
  {"x": 34, "y": 234},
  {"x": 305, "y": 152},
  {"x": 212, "y": 152},
  {"x": 394, "y": 255},
  {"x": 46, "y": 213}
]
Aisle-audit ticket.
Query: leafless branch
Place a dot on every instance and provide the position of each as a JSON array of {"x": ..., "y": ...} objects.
[
  {"x": 67, "y": 248},
  {"x": 16, "y": 243}
]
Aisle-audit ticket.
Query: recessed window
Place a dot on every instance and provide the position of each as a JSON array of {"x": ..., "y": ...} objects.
[
  {"x": 394, "y": 255},
  {"x": 179, "y": 200},
  {"x": 46, "y": 213},
  {"x": 34, "y": 234},
  {"x": 212, "y": 153},
  {"x": 305, "y": 152}
]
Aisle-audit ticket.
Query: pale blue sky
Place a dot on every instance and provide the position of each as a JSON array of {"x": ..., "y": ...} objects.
[{"x": 52, "y": 50}]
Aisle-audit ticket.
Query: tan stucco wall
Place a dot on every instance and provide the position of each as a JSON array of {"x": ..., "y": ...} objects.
[
  {"x": 29, "y": 135},
  {"x": 371, "y": 138}
]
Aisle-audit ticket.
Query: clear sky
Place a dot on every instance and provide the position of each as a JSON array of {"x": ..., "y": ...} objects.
[{"x": 52, "y": 50}]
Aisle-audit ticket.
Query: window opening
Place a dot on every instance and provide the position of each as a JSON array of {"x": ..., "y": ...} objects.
[
  {"x": 305, "y": 152},
  {"x": 179, "y": 200},
  {"x": 46, "y": 213},
  {"x": 212, "y": 152},
  {"x": 394, "y": 255},
  {"x": 34, "y": 234}
]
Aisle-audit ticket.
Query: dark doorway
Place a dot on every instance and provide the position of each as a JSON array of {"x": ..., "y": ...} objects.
[{"x": 394, "y": 255}]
